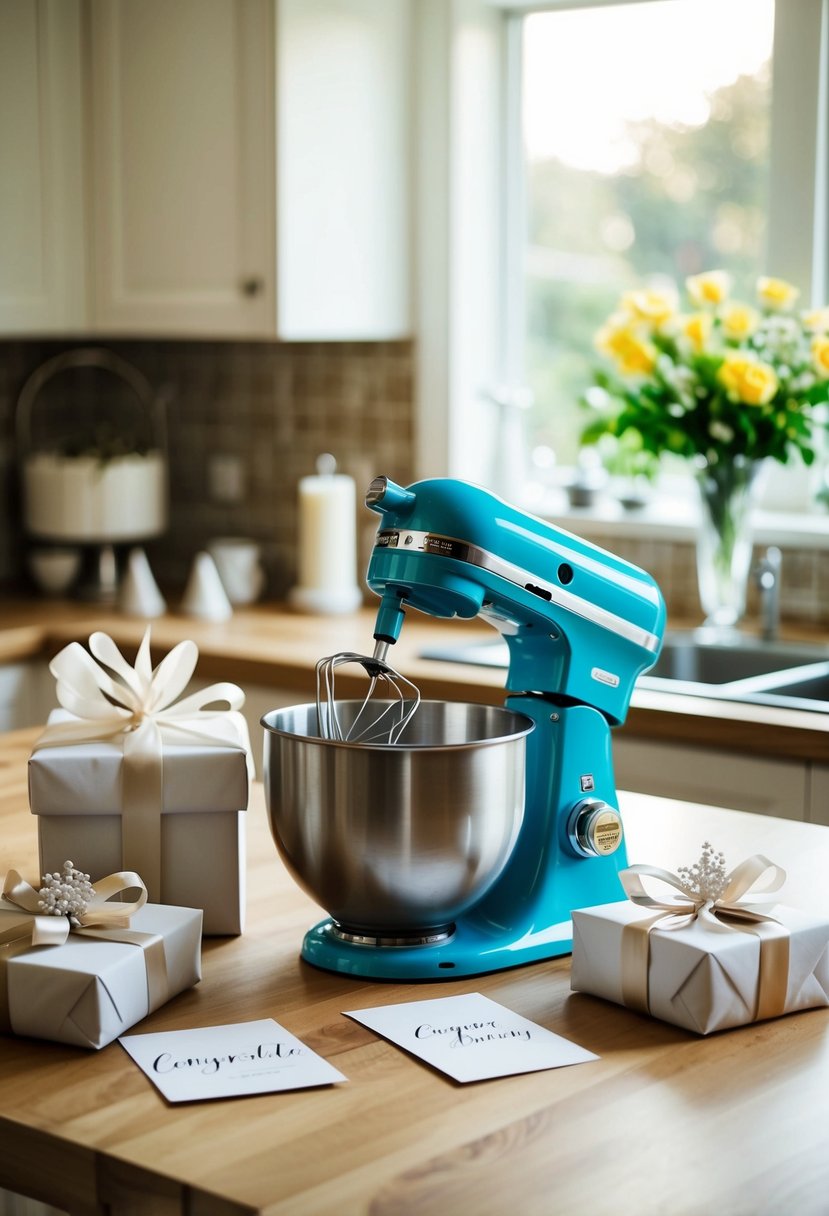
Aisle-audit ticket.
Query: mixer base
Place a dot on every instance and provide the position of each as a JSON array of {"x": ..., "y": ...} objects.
[{"x": 468, "y": 951}]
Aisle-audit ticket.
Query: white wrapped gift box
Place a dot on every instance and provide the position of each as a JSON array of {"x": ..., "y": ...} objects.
[
  {"x": 698, "y": 978},
  {"x": 128, "y": 777},
  {"x": 90, "y": 990},
  {"x": 75, "y": 791}
]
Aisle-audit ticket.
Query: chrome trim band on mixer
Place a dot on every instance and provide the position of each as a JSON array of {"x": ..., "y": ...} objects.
[{"x": 460, "y": 550}]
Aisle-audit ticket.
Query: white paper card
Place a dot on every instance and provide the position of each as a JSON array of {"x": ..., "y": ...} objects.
[
  {"x": 471, "y": 1037},
  {"x": 226, "y": 1061}
]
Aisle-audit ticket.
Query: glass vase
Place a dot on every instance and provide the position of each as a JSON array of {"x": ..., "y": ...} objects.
[{"x": 727, "y": 492}]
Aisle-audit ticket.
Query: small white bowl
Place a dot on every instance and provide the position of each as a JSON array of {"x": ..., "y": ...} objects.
[{"x": 55, "y": 570}]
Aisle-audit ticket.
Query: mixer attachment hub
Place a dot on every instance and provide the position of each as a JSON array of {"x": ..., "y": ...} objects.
[{"x": 394, "y": 938}]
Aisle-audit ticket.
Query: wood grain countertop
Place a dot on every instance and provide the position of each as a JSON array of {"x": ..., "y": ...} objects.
[
  {"x": 664, "y": 1121},
  {"x": 269, "y": 645}
]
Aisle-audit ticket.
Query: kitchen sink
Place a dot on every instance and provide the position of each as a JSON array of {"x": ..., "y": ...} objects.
[
  {"x": 812, "y": 686},
  {"x": 742, "y": 668},
  {"x": 692, "y": 657}
]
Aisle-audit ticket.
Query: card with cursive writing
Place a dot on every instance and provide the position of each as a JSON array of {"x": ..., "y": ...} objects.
[
  {"x": 227, "y": 1061},
  {"x": 471, "y": 1037}
]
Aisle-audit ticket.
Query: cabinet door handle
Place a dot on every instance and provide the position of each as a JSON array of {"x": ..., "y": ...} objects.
[{"x": 252, "y": 286}]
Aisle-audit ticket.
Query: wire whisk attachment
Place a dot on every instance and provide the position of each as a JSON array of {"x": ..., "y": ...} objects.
[{"x": 376, "y": 720}]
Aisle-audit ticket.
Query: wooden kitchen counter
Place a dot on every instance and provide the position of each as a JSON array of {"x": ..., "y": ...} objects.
[
  {"x": 267, "y": 645},
  {"x": 663, "y": 1122}
]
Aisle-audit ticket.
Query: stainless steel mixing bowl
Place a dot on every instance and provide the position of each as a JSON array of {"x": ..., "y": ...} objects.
[{"x": 397, "y": 839}]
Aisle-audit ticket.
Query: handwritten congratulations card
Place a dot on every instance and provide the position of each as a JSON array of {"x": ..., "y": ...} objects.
[
  {"x": 226, "y": 1061},
  {"x": 470, "y": 1037}
]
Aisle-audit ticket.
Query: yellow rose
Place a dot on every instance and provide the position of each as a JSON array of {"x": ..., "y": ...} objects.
[
  {"x": 710, "y": 288},
  {"x": 776, "y": 293},
  {"x": 817, "y": 320},
  {"x": 820, "y": 354},
  {"x": 739, "y": 321},
  {"x": 651, "y": 305},
  {"x": 747, "y": 380},
  {"x": 634, "y": 355},
  {"x": 697, "y": 329}
]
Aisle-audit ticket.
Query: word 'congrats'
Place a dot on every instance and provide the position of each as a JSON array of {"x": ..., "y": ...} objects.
[{"x": 167, "y": 1062}]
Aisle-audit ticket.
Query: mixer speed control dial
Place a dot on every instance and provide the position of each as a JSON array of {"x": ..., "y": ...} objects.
[{"x": 594, "y": 828}]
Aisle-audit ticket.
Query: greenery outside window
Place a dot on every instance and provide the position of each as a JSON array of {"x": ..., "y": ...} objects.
[{"x": 648, "y": 141}]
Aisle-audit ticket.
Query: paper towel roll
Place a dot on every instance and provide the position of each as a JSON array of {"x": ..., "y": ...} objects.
[{"x": 327, "y": 542}]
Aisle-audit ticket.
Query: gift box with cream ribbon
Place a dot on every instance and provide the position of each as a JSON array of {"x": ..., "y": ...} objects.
[
  {"x": 130, "y": 777},
  {"x": 709, "y": 955},
  {"x": 85, "y": 983}
]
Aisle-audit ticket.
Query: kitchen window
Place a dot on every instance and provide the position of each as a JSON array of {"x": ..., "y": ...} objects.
[
  {"x": 647, "y": 165},
  {"x": 638, "y": 139}
]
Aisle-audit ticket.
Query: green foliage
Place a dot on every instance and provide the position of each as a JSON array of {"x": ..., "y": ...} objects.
[{"x": 695, "y": 198}]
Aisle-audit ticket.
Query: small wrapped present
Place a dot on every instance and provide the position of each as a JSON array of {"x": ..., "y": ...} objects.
[
  {"x": 129, "y": 777},
  {"x": 718, "y": 956},
  {"x": 78, "y": 967}
]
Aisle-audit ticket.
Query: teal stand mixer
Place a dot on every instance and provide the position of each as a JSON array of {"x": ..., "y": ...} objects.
[{"x": 580, "y": 626}]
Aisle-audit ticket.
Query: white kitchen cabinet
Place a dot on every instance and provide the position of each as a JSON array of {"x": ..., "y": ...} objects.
[
  {"x": 716, "y": 778},
  {"x": 14, "y": 696},
  {"x": 27, "y": 693},
  {"x": 42, "y": 262},
  {"x": 19, "y": 1205},
  {"x": 182, "y": 166},
  {"x": 819, "y": 794},
  {"x": 215, "y": 168},
  {"x": 343, "y": 82}
]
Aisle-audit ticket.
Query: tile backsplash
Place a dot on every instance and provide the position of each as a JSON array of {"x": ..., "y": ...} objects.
[
  {"x": 245, "y": 421},
  {"x": 804, "y": 582}
]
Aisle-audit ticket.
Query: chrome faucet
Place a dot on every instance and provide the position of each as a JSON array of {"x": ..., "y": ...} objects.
[{"x": 767, "y": 574}]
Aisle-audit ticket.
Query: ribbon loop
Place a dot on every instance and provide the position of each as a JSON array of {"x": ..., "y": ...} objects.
[
  {"x": 101, "y": 912},
  {"x": 36, "y": 926}
]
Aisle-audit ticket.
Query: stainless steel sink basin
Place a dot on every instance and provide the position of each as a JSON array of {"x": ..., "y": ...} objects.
[
  {"x": 691, "y": 657},
  {"x": 741, "y": 669},
  {"x": 810, "y": 687}
]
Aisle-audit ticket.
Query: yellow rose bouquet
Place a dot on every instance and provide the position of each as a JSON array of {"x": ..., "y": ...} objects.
[{"x": 719, "y": 380}]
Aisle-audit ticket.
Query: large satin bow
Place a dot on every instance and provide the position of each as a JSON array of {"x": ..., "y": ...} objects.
[
  {"x": 138, "y": 707},
  {"x": 729, "y": 911},
  {"x": 125, "y": 700},
  {"x": 104, "y": 919},
  {"x": 741, "y": 882}
]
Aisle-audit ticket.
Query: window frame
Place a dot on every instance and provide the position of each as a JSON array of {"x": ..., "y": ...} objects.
[{"x": 467, "y": 344}]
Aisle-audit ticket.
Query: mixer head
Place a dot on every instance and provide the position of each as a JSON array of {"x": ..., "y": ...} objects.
[{"x": 580, "y": 623}]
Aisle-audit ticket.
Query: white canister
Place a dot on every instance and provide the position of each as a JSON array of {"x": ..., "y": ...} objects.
[
  {"x": 327, "y": 542},
  {"x": 83, "y": 498},
  {"x": 238, "y": 562}
]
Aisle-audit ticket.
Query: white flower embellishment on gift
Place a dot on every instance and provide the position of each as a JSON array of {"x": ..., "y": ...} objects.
[
  {"x": 706, "y": 878},
  {"x": 67, "y": 894}
]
